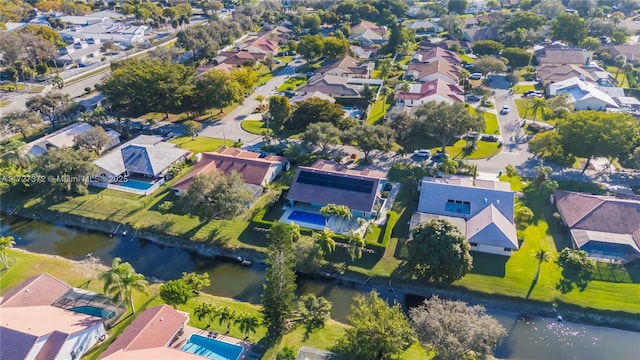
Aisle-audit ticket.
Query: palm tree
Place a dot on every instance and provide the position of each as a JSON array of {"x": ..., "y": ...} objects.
[
  {"x": 626, "y": 70},
  {"x": 448, "y": 166},
  {"x": 226, "y": 316},
  {"x": 247, "y": 323},
  {"x": 260, "y": 99},
  {"x": 121, "y": 280},
  {"x": 542, "y": 255},
  {"x": 295, "y": 231},
  {"x": 341, "y": 213},
  {"x": 385, "y": 91},
  {"x": 464, "y": 77},
  {"x": 204, "y": 311},
  {"x": 537, "y": 105},
  {"x": 356, "y": 244},
  {"x": 16, "y": 149},
  {"x": 6, "y": 243},
  {"x": 619, "y": 61},
  {"x": 385, "y": 68},
  {"x": 542, "y": 172},
  {"x": 326, "y": 242},
  {"x": 404, "y": 48}
]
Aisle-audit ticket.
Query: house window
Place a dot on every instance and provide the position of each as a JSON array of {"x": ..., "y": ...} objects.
[
  {"x": 458, "y": 206},
  {"x": 507, "y": 249},
  {"x": 473, "y": 244}
]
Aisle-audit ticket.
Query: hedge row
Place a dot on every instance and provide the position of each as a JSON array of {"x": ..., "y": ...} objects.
[{"x": 392, "y": 219}]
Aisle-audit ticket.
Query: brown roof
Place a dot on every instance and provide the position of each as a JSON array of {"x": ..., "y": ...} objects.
[
  {"x": 154, "y": 327},
  {"x": 264, "y": 43},
  {"x": 331, "y": 193},
  {"x": 248, "y": 164},
  {"x": 52, "y": 346},
  {"x": 555, "y": 55},
  {"x": 420, "y": 70},
  {"x": 551, "y": 73},
  {"x": 599, "y": 213},
  {"x": 631, "y": 52},
  {"x": 39, "y": 290},
  {"x": 330, "y": 84},
  {"x": 237, "y": 58},
  {"x": 451, "y": 92},
  {"x": 489, "y": 33},
  {"x": 364, "y": 25},
  {"x": 347, "y": 63},
  {"x": 436, "y": 53}
]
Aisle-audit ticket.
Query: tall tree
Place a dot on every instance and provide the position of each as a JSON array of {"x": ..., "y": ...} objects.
[
  {"x": 314, "y": 311},
  {"x": 341, "y": 214},
  {"x": 517, "y": 57},
  {"x": 219, "y": 89},
  {"x": 192, "y": 127},
  {"x": 311, "y": 46},
  {"x": 45, "y": 106},
  {"x": 455, "y": 329},
  {"x": 315, "y": 110},
  {"x": 68, "y": 168},
  {"x": 247, "y": 323},
  {"x": 371, "y": 137},
  {"x": 279, "y": 110},
  {"x": 448, "y": 166},
  {"x": 538, "y": 105},
  {"x": 226, "y": 316},
  {"x": 570, "y": 28},
  {"x": 95, "y": 140},
  {"x": 204, "y": 311},
  {"x": 541, "y": 255},
  {"x": 488, "y": 64},
  {"x": 439, "y": 251},
  {"x": 122, "y": 280},
  {"x": 445, "y": 122},
  {"x": 279, "y": 288},
  {"x": 6, "y": 243},
  {"x": 216, "y": 196},
  {"x": 378, "y": 331},
  {"x": 368, "y": 94},
  {"x": 175, "y": 292},
  {"x": 196, "y": 281},
  {"x": 325, "y": 240},
  {"x": 322, "y": 135},
  {"x": 335, "y": 48},
  {"x": 355, "y": 243},
  {"x": 19, "y": 121},
  {"x": 594, "y": 133},
  {"x": 16, "y": 150},
  {"x": 457, "y": 6},
  {"x": 487, "y": 47}
]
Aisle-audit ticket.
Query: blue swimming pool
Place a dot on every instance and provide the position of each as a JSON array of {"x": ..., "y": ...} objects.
[
  {"x": 306, "y": 217},
  {"x": 136, "y": 184},
  {"x": 212, "y": 348}
]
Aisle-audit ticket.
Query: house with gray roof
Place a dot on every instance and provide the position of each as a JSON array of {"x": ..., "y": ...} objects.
[
  {"x": 584, "y": 95},
  {"x": 147, "y": 158},
  {"x": 562, "y": 55},
  {"x": 65, "y": 138},
  {"x": 346, "y": 66},
  {"x": 482, "y": 209},
  {"x": 607, "y": 228},
  {"x": 332, "y": 85}
]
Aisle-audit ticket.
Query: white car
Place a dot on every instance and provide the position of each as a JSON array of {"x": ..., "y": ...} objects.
[
  {"x": 475, "y": 76},
  {"x": 422, "y": 153},
  {"x": 505, "y": 110}
]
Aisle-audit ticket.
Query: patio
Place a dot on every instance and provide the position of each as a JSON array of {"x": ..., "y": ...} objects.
[
  {"x": 249, "y": 353},
  {"x": 299, "y": 212}
]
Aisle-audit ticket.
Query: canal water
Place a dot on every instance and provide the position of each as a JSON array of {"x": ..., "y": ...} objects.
[{"x": 534, "y": 338}]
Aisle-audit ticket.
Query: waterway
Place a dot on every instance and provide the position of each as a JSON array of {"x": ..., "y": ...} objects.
[{"x": 533, "y": 338}]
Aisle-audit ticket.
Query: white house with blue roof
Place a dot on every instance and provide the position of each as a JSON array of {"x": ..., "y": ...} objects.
[{"x": 482, "y": 209}]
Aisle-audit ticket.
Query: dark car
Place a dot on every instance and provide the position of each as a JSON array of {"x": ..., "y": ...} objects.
[
  {"x": 473, "y": 97},
  {"x": 289, "y": 93},
  {"x": 439, "y": 156},
  {"x": 489, "y": 138}
]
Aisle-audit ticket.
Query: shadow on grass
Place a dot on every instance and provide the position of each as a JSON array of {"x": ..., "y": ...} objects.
[
  {"x": 489, "y": 264},
  {"x": 533, "y": 285},
  {"x": 573, "y": 279},
  {"x": 618, "y": 273},
  {"x": 251, "y": 237},
  {"x": 367, "y": 261}
]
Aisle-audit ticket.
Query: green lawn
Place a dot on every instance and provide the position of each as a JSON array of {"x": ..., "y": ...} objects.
[
  {"x": 200, "y": 144},
  {"x": 253, "y": 126},
  {"x": 520, "y": 89},
  {"x": 378, "y": 110},
  {"x": 292, "y": 83},
  {"x": 523, "y": 109},
  {"x": 467, "y": 59},
  {"x": 491, "y": 125}
]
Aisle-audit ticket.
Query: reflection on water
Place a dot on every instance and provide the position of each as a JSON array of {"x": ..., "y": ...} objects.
[{"x": 535, "y": 338}]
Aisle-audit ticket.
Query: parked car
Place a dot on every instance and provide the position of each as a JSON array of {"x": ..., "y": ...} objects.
[
  {"x": 289, "y": 93},
  {"x": 490, "y": 138},
  {"x": 473, "y": 97},
  {"x": 505, "y": 110},
  {"x": 422, "y": 153},
  {"x": 532, "y": 93},
  {"x": 475, "y": 76},
  {"x": 439, "y": 156}
]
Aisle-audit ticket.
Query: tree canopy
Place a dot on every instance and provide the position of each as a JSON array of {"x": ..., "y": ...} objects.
[
  {"x": 216, "y": 196},
  {"x": 371, "y": 137},
  {"x": 19, "y": 121},
  {"x": 487, "y": 47},
  {"x": 378, "y": 331},
  {"x": 489, "y": 64},
  {"x": 322, "y": 135},
  {"x": 570, "y": 28},
  {"x": 315, "y": 110},
  {"x": 439, "y": 251},
  {"x": 176, "y": 292},
  {"x": 95, "y": 140},
  {"x": 517, "y": 57},
  {"x": 279, "y": 111},
  {"x": 445, "y": 122},
  {"x": 455, "y": 329},
  {"x": 68, "y": 169}
]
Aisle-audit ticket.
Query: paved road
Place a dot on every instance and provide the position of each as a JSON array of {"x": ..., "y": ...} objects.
[{"x": 229, "y": 127}]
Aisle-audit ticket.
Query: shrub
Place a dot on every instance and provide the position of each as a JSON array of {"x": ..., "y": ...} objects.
[
  {"x": 523, "y": 216},
  {"x": 392, "y": 219},
  {"x": 575, "y": 259}
]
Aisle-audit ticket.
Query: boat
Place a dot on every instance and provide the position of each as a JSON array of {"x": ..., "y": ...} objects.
[
  {"x": 124, "y": 233},
  {"x": 559, "y": 318},
  {"x": 246, "y": 263}
]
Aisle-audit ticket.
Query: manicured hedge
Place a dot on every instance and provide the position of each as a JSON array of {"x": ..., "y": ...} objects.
[{"x": 392, "y": 219}]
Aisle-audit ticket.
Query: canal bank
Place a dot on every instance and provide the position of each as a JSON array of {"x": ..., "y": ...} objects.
[{"x": 393, "y": 290}]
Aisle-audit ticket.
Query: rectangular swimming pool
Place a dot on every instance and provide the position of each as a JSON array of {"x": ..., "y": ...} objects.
[
  {"x": 309, "y": 218},
  {"x": 136, "y": 184},
  {"x": 212, "y": 348}
]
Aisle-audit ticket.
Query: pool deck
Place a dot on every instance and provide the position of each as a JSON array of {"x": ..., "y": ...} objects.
[
  {"x": 332, "y": 224},
  {"x": 190, "y": 330}
]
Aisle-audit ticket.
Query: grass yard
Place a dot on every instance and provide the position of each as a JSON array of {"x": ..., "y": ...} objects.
[
  {"x": 254, "y": 126},
  {"x": 200, "y": 144},
  {"x": 378, "y": 111},
  {"x": 26, "y": 264},
  {"x": 520, "y": 89},
  {"x": 491, "y": 125},
  {"x": 292, "y": 83},
  {"x": 466, "y": 59},
  {"x": 34, "y": 89}
]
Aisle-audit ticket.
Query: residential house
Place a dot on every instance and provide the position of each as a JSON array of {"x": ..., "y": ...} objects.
[
  {"x": 425, "y": 26},
  {"x": 332, "y": 85},
  {"x": 460, "y": 44},
  {"x": 630, "y": 52},
  {"x": 89, "y": 19},
  {"x": 479, "y": 34},
  {"x": 365, "y": 26},
  {"x": 584, "y": 95},
  {"x": 150, "y": 335},
  {"x": 106, "y": 31},
  {"x": 33, "y": 328},
  {"x": 346, "y": 66},
  {"x": 470, "y": 22},
  {"x": 265, "y": 44},
  {"x": 607, "y": 228},
  {"x": 363, "y": 52},
  {"x": 234, "y": 59},
  {"x": 368, "y": 38},
  {"x": 483, "y": 209},
  {"x": 434, "y": 90},
  {"x": 256, "y": 169},
  {"x": 435, "y": 53},
  {"x": 326, "y": 182},
  {"x": 552, "y": 73},
  {"x": 79, "y": 53},
  {"x": 438, "y": 69},
  {"x": 561, "y": 55},
  {"x": 306, "y": 96},
  {"x": 65, "y": 138},
  {"x": 145, "y": 157}
]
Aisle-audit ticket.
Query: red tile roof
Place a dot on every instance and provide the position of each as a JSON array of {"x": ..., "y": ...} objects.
[
  {"x": 248, "y": 164},
  {"x": 39, "y": 290},
  {"x": 435, "y": 87},
  {"x": 154, "y": 327}
]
